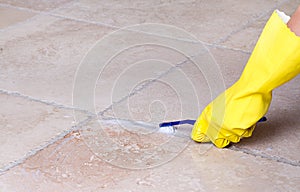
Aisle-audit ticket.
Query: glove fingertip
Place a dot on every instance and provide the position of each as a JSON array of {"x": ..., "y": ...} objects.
[
  {"x": 221, "y": 143},
  {"x": 200, "y": 137}
]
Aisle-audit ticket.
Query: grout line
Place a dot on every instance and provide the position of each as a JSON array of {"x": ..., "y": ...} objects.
[
  {"x": 154, "y": 34},
  {"x": 64, "y": 133},
  {"x": 42, "y": 101},
  {"x": 20, "y": 8},
  {"x": 245, "y": 26},
  {"x": 250, "y": 22},
  {"x": 106, "y": 120},
  {"x": 73, "y": 128},
  {"x": 81, "y": 20},
  {"x": 43, "y": 146},
  {"x": 145, "y": 85},
  {"x": 101, "y": 113},
  {"x": 50, "y": 13},
  {"x": 149, "y": 33},
  {"x": 34, "y": 10},
  {"x": 213, "y": 45},
  {"x": 151, "y": 127},
  {"x": 257, "y": 153}
]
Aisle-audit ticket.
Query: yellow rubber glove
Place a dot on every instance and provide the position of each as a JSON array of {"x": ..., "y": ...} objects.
[{"x": 234, "y": 114}]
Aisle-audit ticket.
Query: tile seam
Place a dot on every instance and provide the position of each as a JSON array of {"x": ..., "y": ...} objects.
[
  {"x": 41, "y": 101},
  {"x": 53, "y": 140},
  {"x": 258, "y": 153},
  {"x": 41, "y": 147},
  {"x": 250, "y": 22},
  {"x": 50, "y": 13}
]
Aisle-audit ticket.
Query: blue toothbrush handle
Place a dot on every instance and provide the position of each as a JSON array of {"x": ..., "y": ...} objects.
[
  {"x": 172, "y": 123},
  {"x": 191, "y": 122},
  {"x": 262, "y": 119}
]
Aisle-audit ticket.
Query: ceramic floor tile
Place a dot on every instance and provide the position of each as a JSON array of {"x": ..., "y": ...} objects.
[
  {"x": 11, "y": 16},
  {"x": 227, "y": 63},
  {"x": 45, "y": 53},
  {"x": 208, "y": 21},
  {"x": 43, "y": 5},
  {"x": 125, "y": 61},
  {"x": 130, "y": 145},
  {"x": 170, "y": 97},
  {"x": 70, "y": 165},
  {"x": 26, "y": 125},
  {"x": 130, "y": 70},
  {"x": 65, "y": 166},
  {"x": 202, "y": 168},
  {"x": 184, "y": 91},
  {"x": 247, "y": 38}
]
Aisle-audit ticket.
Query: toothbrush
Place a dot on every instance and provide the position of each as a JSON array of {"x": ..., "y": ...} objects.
[{"x": 191, "y": 122}]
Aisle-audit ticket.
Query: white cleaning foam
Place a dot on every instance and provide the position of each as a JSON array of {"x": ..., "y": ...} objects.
[
  {"x": 138, "y": 126},
  {"x": 167, "y": 130}
]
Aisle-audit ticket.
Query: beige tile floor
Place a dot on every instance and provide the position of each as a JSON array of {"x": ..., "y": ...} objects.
[{"x": 51, "y": 139}]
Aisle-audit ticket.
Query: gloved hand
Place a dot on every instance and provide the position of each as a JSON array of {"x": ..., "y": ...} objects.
[{"x": 233, "y": 114}]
